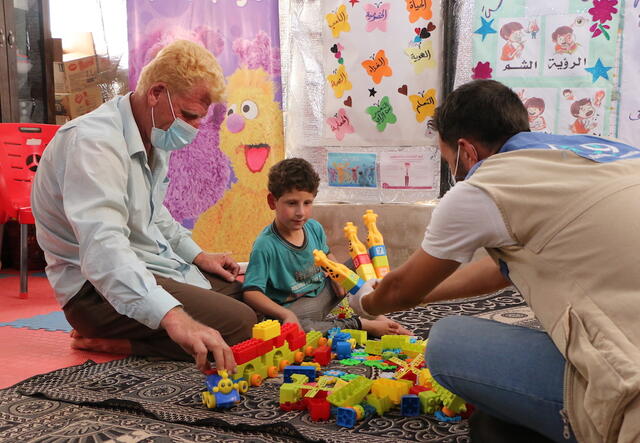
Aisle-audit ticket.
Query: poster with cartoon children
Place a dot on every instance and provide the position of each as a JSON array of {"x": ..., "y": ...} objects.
[
  {"x": 352, "y": 170},
  {"x": 519, "y": 50},
  {"x": 581, "y": 111},
  {"x": 567, "y": 45},
  {"x": 541, "y": 104}
]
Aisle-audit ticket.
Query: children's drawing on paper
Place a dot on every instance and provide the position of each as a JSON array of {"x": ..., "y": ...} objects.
[
  {"x": 519, "y": 51},
  {"x": 541, "y": 105},
  {"x": 581, "y": 111},
  {"x": 352, "y": 170},
  {"x": 567, "y": 46}
]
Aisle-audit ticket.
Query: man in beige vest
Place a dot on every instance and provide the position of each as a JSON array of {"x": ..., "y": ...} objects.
[{"x": 560, "y": 218}]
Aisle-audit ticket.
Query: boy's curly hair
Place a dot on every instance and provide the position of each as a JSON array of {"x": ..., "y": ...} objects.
[{"x": 293, "y": 174}]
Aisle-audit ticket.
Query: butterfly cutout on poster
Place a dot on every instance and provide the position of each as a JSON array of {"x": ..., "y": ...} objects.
[
  {"x": 424, "y": 105},
  {"x": 424, "y": 33},
  {"x": 421, "y": 56},
  {"x": 338, "y": 21},
  {"x": 339, "y": 81},
  {"x": 382, "y": 114},
  {"x": 377, "y": 16},
  {"x": 336, "y": 49},
  {"x": 419, "y": 9},
  {"x": 340, "y": 124},
  {"x": 378, "y": 66}
]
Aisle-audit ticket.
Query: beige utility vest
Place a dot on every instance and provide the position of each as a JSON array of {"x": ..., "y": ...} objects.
[{"x": 576, "y": 223}]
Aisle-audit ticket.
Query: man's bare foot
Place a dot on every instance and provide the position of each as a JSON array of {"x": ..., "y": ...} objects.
[
  {"x": 108, "y": 345},
  {"x": 382, "y": 325}
]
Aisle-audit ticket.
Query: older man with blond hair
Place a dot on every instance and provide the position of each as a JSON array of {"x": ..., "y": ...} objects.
[{"x": 128, "y": 276}]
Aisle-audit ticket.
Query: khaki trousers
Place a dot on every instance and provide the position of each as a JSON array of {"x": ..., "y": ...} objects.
[{"x": 92, "y": 316}]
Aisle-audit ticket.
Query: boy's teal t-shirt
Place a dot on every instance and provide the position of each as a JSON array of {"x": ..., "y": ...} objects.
[{"x": 285, "y": 272}]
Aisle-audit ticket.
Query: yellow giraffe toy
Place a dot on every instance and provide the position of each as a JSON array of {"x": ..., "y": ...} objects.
[
  {"x": 338, "y": 272},
  {"x": 358, "y": 253},
  {"x": 375, "y": 243}
]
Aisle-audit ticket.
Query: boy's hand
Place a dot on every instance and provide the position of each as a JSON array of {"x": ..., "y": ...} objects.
[
  {"x": 290, "y": 317},
  {"x": 339, "y": 290},
  {"x": 219, "y": 264}
]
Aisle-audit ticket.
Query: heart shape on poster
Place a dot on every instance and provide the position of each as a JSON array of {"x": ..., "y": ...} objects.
[
  {"x": 348, "y": 102},
  {"x": 403, "y": 89}
]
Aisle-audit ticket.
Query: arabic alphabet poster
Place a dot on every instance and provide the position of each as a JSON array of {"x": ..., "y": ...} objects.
[
  {"x": 546, "y": 47},
  {"x": 629, "y": 117},
  {"x": 353, "y": 170},
  {"x": 381, "y": 62}
]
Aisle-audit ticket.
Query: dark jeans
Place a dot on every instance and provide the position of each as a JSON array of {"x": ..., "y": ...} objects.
[{"x": 92, "y": 316}]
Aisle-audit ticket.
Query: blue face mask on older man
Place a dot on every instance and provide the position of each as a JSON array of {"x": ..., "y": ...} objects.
[{"x": 177, "y": 136}]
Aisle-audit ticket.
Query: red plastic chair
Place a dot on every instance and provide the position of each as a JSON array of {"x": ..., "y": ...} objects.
[{"x": 21, "y": 146}]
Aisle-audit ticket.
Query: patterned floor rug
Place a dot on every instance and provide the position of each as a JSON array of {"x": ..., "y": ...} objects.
[{"x": 136, "y": 400}]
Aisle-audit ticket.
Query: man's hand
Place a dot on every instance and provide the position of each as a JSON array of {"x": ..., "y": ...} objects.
[
  {"x": 219, "y": 264},
  {"x": 355, "y": 300},
  {"x": 197, "y": 340}
]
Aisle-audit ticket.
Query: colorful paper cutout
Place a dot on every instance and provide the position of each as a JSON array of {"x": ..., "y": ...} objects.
[
  {"x": 339, "y": 21},
  {"x": 424, "y": 105},
  {"x": 598, "y": 70},
  {"x": 372, "y": 92},
  {"x": 377, "y": 16},
  {"x": 340, "y": 124},
  {"x": 403, "y": 90},
  {"x": 378, "y": 67},
  {"x": 348, "y": 102},
  {"x": 419, "y": 9},
  {"x": 382, "y": 114},
  {"x": 339, "y": 81},
  {"x": 485, "y": 29},
  {"x": 424, "y": 33},
  {"x": 421, "y": 56},
  {"x": 482, "y": 70}
]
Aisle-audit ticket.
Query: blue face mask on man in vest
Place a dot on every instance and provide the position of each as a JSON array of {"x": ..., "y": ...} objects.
[{"x": 177, "y": 136}]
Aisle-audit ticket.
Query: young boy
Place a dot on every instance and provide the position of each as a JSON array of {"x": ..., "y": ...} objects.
[{"x": 282, "y": 280}]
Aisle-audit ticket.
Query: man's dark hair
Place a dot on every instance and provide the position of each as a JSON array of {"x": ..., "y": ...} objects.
[
  {"x": 293, "y": 174},
  {"x": 485, "y": 111}
]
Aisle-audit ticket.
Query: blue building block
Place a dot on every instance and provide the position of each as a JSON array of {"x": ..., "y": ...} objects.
[
  {"x": 343, "y": 350},
  {"x": 441, "y": 417},
  {"x": 346, "y": 417},
  {"x": 410, "y": 405},
  {"x": 309, "y": 371}
]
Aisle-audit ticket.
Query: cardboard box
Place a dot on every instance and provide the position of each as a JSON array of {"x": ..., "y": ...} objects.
[
  {"x": 76, "y": 74},
  {"x": 75, "y": 104}
]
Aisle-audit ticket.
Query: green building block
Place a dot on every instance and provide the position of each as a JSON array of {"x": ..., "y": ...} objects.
[
  {"x": 429, "y": 401},
  {"x": 289, "y": 393},
  {"x": 381, "y": 404},
  {"x": 360, "y": 336},
  {"x": 394, "y": 341},
  {"x": 373, "y": 347},
  {"x": 352, "y": 393},
  {"x": 313, "y": 337}
]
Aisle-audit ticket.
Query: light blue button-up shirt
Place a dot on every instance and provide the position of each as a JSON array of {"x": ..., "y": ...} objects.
[{"x": 100, "y": 217}]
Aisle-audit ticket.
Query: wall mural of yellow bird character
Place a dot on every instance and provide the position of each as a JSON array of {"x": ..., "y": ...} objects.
[{"x": 252, "y": 137}]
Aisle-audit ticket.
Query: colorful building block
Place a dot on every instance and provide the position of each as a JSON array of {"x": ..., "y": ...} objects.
[
  {"x": 352, "y": 393},
  {"x": 346, "y": 417},
  {"x": 410, "y": 405},
  {"x": 381, "y": 404},
  {"x": 358, "y": 335},
  {"x": 308, "y": 371},
  {"x": 358, "y": 253},
  {"x": 266, "y": 330},
  {"x": 338, "y": 272},
  {"x": 375, "y": 243},
  {"x": 394, "y": 389}
]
